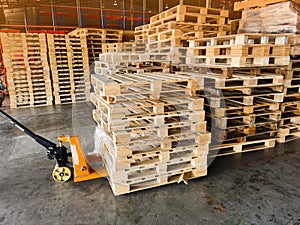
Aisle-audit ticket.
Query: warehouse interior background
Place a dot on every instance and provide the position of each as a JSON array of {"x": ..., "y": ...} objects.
[
  {"x": 68, "y": 15},
  {"x": 247, "y": 175}
]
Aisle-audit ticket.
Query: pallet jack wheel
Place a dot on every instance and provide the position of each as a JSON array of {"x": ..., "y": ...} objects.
[{"x": 61, "y": 174}]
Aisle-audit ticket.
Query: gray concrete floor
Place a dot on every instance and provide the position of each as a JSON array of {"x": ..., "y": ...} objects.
[{"x": 253, "y": 188}]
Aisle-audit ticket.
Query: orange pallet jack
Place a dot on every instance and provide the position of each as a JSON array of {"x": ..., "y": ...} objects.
[{"x": 79, "y": 167}]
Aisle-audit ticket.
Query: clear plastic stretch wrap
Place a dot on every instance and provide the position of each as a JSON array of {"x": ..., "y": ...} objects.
[{"x": 277, "y": 18}]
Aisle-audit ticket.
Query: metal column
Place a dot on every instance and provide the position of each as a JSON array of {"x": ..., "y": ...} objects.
[
  {"x": 160, "y": 6},
  {"x": 144, "y": 10},
  {"x": 53, "y": 17},
  {"x": 79, "y": 13},
  {"x": 208, "y": 3}
]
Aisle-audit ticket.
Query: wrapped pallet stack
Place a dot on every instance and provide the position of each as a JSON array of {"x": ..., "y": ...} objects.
[
  {"x": 151, "y": 128},
  {"x": 269, "y": 16}
]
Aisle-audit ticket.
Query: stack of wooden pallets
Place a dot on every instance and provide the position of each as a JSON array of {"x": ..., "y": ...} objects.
[
  {"x": 169, "y": 31},
  {"x": 151, "y": 128},
  {"x": 240, "y": 50},
  {"x": 290, "y": 121},
  {"x": 242, "y": 107},
  {"x": 95, "y": 38},
  {"x": 130, "y": 58},
  {"x": 70, "y": 68},
  {"x": 28, "y": 75},
  {"x": 59, "y": 63},
  {"x": 183, "y": 22},
  {"x": 243, "y": 88},
  {"x": 79, "y": 67}
]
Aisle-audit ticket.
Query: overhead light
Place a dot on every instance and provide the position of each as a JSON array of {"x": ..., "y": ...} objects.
[
  {"x": 166, "y": 7},
  {"x": 115, "y": 3},
  {"x": 149, "y": 11}
]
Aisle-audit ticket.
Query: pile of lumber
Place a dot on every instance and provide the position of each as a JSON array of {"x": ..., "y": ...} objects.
[
  {"x": 28, "y": 75},
  {"x": 272, "y": 16},
  {"x": 96, "y": 38},
  {"x": 70, "y": 68},
  {"x": 151, "y": 128},
  {"x": 240, "y": 50}
]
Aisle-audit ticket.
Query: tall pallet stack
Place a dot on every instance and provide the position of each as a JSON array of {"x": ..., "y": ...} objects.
[
  {"x": 95, "y": 38},
  {"x": 258, "y": 16},
  {"x": 151, "y": 128},
  {"x": 58, "y": 58},
  {"x": 70, "y": 68},
  {"x": 290, "y": 121},
  {"x": 79, "y": 67},
  {"x": 28, "y": 75},
  {"x": 243, "y": 88}
]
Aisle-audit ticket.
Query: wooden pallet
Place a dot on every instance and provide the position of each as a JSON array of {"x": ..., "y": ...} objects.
[
  {"x": 185, "y": 13},
  {"x": 237, "y": 81},
  {"x": 96, "y": 31},
  {"x": 244, "y": 120},
  {"x": 249, "y": 146},
  {"x": 243, "y": 39},
  {"x": 289, "y": 132},
  {"x": 247, "y": 61},
  {"x": 152, "y": 84}
]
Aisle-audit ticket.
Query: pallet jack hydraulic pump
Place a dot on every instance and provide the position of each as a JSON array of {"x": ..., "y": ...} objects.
[{"x": 79, "y": 168}]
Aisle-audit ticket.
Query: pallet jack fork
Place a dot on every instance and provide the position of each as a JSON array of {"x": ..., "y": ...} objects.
[{"x": 80, "y": 168}]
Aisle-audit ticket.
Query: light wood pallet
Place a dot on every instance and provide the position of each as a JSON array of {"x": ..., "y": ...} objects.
[
  {"x": 249, "y": 146},
  {"x": 231, "y": 71},
  {"x": 87, "y": 31},
  {"x": 288, "y": 133},
  {"x": 241, "y": 50},
  {"x": 247, "y": 61},
  {"x": 104, "y": 68},
  {"x": 243, "y": 39},
  {"x": 124, "y": 47},
  {"x": 185, "y": 13},
  {"x": 151, "y": 84}
]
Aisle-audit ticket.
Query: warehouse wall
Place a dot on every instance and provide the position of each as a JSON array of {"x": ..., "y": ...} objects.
[{"x": 118, "y": 14}]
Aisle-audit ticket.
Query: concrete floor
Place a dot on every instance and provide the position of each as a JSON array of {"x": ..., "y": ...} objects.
[{"x": 253, "y": 188}]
